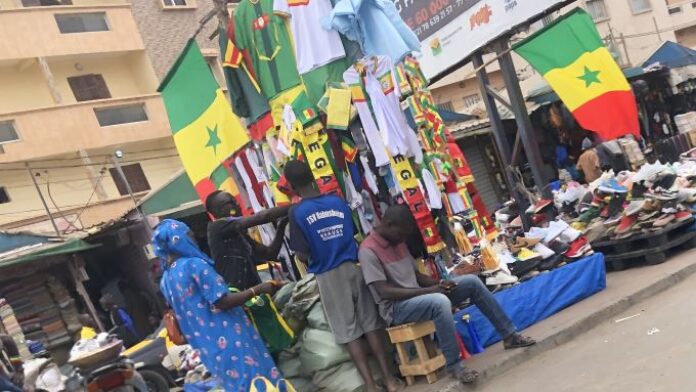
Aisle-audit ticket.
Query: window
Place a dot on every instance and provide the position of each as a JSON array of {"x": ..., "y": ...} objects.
[
  {"x": 115, "y": 115},
  {"x": 547, "y": 20},
  {"x": 597, "y": 9},
  {"x": 89, "y": 87},
  {"x": 4, "y": 196},
  {"x": 82, "y": 23},
  {"x": 45, "y": 3},
  {"x": 471, "y": 100},
  {"x": 693, "y": 5},
  {"x": 8, "y": 132},
  {"x": 638, "y": 6},
  {"x": 674, "y": 10},
  {"x": 174, "y": 3},
  {"x": 446, "y": 106},
  {"x": 134, "y": 175}
]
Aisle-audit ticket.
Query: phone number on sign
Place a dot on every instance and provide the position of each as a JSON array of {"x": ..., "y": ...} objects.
[{"x": 426, "y": 17}]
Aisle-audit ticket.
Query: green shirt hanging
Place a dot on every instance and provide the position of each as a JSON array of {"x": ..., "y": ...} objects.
[{"x": 265, "y": 35}]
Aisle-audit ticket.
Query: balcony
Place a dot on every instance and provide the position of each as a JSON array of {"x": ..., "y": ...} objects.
[
  {"x": 67, "y": 30},
  {"x": 64, "y": 129}
]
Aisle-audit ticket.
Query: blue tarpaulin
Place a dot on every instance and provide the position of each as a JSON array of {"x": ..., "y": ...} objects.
[{"x": 538, "y": 298}]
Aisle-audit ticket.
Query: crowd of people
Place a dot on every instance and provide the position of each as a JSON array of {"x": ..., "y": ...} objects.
[{"x": 364, "y": 287}]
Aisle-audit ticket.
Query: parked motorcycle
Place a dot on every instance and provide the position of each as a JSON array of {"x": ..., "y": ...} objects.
[{"x": 153, "y": 361}]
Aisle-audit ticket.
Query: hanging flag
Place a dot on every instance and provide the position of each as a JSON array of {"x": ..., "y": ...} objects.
[
  {"x": 205, "y": 130},
  {"x": 569, "y": 53}
]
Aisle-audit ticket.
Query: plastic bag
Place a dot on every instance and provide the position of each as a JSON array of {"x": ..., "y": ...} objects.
[
  {"x": 320, "y": 351},
  {"x": 317, "y": 318}
]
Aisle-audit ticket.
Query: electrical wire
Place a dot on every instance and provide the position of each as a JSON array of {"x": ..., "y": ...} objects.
[
  {"x": 96, "y": 156},
  {"x": 87, "y": 164}
]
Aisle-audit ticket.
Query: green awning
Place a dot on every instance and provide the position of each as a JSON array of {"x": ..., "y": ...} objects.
[
  {"x": 175, "y": 194},
  {"x": 36, "y": 253}
]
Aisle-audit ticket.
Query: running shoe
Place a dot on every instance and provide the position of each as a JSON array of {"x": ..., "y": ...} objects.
[
  {"x": 626, "y": 224},
  {"x": 578, "y": 248},
  {"x": 612, "y": 186}
]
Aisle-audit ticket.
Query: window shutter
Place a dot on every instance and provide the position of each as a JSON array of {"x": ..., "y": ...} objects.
[{"x": 89, "y": 87}]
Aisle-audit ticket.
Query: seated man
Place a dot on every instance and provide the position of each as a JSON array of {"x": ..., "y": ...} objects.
[{"x": 404, "y": 295}]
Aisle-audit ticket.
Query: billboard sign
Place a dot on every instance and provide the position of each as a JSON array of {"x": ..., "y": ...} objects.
[{"x": 452, "y": 30}]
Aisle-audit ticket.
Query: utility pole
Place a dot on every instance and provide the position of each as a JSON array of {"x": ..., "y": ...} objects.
[
  {"x": 657, "y": 29},
  {"x": 43, "y": 201}
]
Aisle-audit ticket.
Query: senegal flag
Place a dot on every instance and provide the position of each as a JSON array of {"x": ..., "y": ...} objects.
[
  {"x": 570, "y": 55},
  {"x": 206, "y": 132}
]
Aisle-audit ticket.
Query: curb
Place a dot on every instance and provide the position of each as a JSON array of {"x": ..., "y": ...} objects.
[{"x": 565, "y": 335}]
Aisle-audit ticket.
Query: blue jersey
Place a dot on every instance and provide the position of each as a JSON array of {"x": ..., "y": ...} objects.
[{"x": 322, "y": 227}]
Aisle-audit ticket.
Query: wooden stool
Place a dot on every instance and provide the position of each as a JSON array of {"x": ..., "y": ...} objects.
[{"x": 429, "y": 360}]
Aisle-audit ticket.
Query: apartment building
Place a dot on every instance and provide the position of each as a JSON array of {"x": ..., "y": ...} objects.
[
  {"x": 79, "y": 81},
  {"x": 632, "y": 29}
]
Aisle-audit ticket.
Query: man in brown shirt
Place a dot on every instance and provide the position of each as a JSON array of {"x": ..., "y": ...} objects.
[{"x": 588, "y": 162}]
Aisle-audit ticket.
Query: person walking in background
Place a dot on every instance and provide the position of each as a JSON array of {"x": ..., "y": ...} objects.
[
  {"x": 119, "y": 317},
  {"x": 405, "y": 295},
  {"x": 210, "y": 317},
  {"x": 321, "y": 234},
  {"x": 588, "y": 163}
]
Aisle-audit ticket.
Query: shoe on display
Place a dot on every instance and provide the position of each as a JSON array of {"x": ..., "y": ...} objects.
[
  {"x": 664, "y": 220},
  {"x": 501, "y": 278},
  {"x": 543, "y": 251},
  {"x": 634, "y": 207},
  {"x": 554, "y": 230},
  {"x": 596, "y": 231},
  {"x": 612, "y": 186},
  {"x": 626, "y": 224},
  {"x": 526, "y": 254},
  {"x": 559, "y": 247},
  {"x": 647, "y": 215},
  {"x": 539, "y": 206},
  {"x": 648, "y": 172},
  {"x": 537, "y": 232},
  {"x": 687, "y": 195},
  {"x": 613, "y": 220},
  {"x": 551, "y": 263},
  {"x": 682, "y": 216},
  {"x": 569, "y": 235},
  {"x": 522, "y": 268},
  {"x": 578, "y": 248}
]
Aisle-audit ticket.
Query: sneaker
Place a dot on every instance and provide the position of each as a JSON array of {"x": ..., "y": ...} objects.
[
  {"x": 501, "y": 278},
  {"x": 578, "y": 248},
  {"x": 646, "y": 216},
  {"x": 551, "y": 263},
  {"x": 612, "y": 186},
  {"x": 526, "y": 254},
  {"x": 682, "y": 216},
  {"x": 664, "y": 220},
  {"x": 613, "y": 221},
  {"x": 522, "y": 268},
  {"x": 626, "y": 224},
  {"x": 543, "y": 251},
  {"x": 539, "y": 206},
  {"x": 634, "y": 207},
  {"x": 648, "y": 172},
  {"x": 559, "y": 247},
  {"x": 554, "y": 230},
  {"x": 537, "y": 232},
  {"x": 569, "y": 235}
]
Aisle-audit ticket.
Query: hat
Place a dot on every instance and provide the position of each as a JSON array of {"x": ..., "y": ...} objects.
[{"x": 586, "y": 144}]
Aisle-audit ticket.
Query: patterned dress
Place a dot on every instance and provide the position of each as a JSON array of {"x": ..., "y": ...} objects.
[{"x": 230, "y": 347}]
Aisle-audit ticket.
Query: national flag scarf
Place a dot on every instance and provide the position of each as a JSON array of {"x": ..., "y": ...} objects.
[
  {"x": 206, "y": 131},
  {"x": 569, "y": 53}
]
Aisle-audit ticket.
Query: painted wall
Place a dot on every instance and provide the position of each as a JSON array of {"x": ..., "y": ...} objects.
[{"x": 23, "y": 87}]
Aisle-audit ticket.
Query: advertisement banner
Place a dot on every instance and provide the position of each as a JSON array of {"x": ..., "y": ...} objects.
[{"x": 452, "y": 30}]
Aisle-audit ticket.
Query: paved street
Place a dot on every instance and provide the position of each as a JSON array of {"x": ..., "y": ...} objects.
[{"x": 652, "y": 352}]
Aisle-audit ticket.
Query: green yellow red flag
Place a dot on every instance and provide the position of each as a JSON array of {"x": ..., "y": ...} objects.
[
  {"x": 570, "y": 55},
  {"x": 206, "y": 131}
]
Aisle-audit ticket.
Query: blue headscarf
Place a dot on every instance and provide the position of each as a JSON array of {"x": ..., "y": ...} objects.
[{"x": 171, "y": 237}]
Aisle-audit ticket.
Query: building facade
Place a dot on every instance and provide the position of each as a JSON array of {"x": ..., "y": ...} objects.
[
  {"x": 79, "y": 90},
  {"x": 632, "y": 29}
]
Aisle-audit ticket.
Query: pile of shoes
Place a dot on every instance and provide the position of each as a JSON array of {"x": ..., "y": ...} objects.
[{"x": 619, "y": 206}]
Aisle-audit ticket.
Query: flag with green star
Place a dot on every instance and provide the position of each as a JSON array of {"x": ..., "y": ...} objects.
[
  {"x": 569, "y": 53},
  {"x": 206, "y": 131}
]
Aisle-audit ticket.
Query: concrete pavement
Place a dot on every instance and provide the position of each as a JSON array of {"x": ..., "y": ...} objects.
[{"x": 624, "y": 290}]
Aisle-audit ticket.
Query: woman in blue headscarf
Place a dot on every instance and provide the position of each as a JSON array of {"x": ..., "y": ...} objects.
[{"x": 210, "y": 317}]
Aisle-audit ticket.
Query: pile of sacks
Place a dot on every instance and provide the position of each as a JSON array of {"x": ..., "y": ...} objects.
[
  {"x": 315, "y": 363},
  {"x": 620, "y": 206}
]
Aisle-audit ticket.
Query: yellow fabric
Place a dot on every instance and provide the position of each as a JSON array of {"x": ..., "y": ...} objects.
[
  {"x": 229, "y": 186},
  {"x": 404, "y": 172},
  {"x": 217, "y": 122},
  {"x": 268, "y": 385},
  {"x": 573, "y": 90},
  {"x": 338, "y": 110},
  {"x": 278, "y": 103}
]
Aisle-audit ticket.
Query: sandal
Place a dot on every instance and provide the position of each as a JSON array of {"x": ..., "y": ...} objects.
[
  {"x": 464, "y": 375},
  {"x": 519, "y": 341}
]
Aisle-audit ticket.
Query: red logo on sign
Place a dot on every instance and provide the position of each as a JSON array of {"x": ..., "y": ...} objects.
[{"x": 481, "y": 17}]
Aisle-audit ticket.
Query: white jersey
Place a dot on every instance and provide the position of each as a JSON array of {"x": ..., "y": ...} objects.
[{"x": 314, "y": 45}]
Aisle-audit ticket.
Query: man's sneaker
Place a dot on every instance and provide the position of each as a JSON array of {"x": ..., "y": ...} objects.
[
  {"x": 559, "y": 247},
  {"x": 551, "y": 263},
  {"x": 648, "y": 172},
  {"x": 501, "y": 277},
  {"x": 543, "y": 251},
  {"x": 626, "y": 224},
  {"x": 526, "y": 254},
  {"x": 664, "y": 220},
  {"x": 522, "y": 268},
  {"x": 682, "y": 216},
  {"x": 462, "y": 374},
  {"x": 613, "y": 220},
  {"x": 569, "y": 235},
  {"x": 647, "y": 215},
  {"x": 554, "y": 230},
  {"x": 634, "y": 207},
  {"x": 578, "y": 248},
  {"x": 612, "y": 186},
  {"x": 539, "y": 206}
]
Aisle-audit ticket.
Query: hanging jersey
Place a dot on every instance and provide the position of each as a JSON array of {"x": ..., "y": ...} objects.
[{"x": 314, "y": 45}]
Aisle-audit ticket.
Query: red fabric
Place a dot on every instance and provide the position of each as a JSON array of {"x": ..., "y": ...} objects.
[
  {"x": 424, "y": 219},
  {"x": 461, "y": 166},
  {"x": 610, "y": 115},
  {"x": 256, "y": 186},
  {"x": 260, "y": 127},
  {"x": 480, "y": 208}
]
